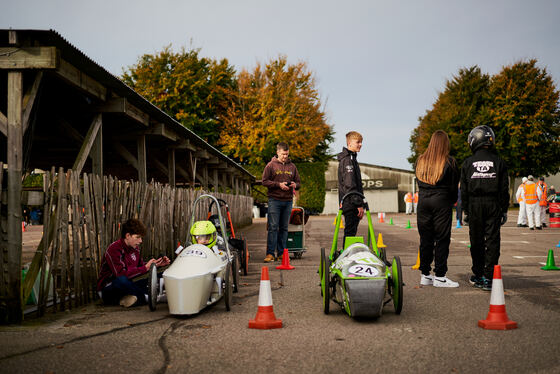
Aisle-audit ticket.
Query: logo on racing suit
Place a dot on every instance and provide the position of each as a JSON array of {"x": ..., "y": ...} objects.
[{"x": 482, "y": 168}]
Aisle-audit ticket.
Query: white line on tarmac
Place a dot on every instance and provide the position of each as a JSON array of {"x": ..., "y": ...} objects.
[{"x": 523, "y": 257}]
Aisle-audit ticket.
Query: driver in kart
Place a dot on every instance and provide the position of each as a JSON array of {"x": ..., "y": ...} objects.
[{"x": 204, "y": 232}]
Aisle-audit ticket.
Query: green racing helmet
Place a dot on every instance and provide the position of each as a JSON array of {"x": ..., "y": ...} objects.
[{"x": 204, "y": 232}]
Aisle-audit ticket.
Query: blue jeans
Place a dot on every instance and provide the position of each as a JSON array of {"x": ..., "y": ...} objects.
[
  {"x": 122, "y": 286},
  {"x": 278, "y": 217}
]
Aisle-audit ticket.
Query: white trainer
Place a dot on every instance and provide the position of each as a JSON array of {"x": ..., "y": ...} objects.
[
  {"x": 444, "y": 282},
  {"x": 426, "y": 280}
]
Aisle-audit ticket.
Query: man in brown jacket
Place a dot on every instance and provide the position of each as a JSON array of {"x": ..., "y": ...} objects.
[{"x": 281, "y": 178}]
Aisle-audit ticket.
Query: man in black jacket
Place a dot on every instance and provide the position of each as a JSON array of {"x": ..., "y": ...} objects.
[
  {"x": 485, "y": 202},
  {"x": 350, "y": 180}
]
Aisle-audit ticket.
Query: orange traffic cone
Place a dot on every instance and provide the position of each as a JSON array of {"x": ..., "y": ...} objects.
[
  {"x": 381, "y": 217},
  {"x": 380, "y": 243},
  {"x": 285, "y": 261},
  {"x": 22, "y": 226},
  {"x": 265, "y": 318},
  {"x": 497, "y": 318}
]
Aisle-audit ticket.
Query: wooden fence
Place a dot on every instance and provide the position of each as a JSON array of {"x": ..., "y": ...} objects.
[{"x": 82, "y": 217}]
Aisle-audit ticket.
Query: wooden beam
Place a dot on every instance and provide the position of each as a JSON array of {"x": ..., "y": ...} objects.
[
  {"x": 71, "y": 131},
  {"x": 13, "y": 301},
  {"x": 171, "y": 167},
  {"x": 184, "y": 144},
  {"x": 96, "y": 153},
  {"x": 160, "y": 129},
  {"x": 129, "y": 157},
  {"x": 141, "y": 149},
  {"x": 29, "y": 100},
  {"x": 160, "y": 165},
  {"x": 203, "y": 153},
  {"x": 81, "y": 80},
  {"x": 3, "y": 124},
  {"x": 29, "y": 58},
  {"x": 87, "y": 144},
  {"x": 121, "y": 105}
]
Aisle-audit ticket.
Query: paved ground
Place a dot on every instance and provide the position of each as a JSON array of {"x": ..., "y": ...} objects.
[{"x": 436, "y": 332}]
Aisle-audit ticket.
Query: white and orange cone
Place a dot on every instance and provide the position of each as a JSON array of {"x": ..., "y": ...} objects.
[
  {"x": 497, "y": 318},
  {"x": 265, "y": 318}
]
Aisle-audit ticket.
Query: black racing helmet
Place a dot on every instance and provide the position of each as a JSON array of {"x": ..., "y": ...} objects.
[{"x": 481, "y": 136}]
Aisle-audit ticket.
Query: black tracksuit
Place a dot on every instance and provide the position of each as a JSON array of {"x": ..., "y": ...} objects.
[
  {"x": 485, "y": 197},
  {"x": 349, "y": 180},
  {"x": 435, "y": 205}
]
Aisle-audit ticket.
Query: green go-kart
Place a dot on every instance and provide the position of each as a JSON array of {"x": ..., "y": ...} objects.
[{"x": 358, "y": 277}]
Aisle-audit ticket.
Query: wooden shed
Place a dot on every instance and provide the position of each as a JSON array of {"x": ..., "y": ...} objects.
[{"x": 58, "y": 108}]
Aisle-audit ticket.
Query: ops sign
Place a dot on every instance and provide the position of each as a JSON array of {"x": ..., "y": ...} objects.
[{"x": 378, "y": 184}]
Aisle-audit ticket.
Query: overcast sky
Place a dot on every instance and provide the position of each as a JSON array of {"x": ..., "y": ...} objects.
[{"x": 379, "y": 65}]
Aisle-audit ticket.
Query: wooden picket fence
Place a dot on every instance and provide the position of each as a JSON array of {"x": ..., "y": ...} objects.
[{"x": 83, "y": 215}]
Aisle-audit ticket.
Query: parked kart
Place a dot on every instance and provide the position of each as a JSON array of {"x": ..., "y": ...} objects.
[
  {"x": 239, "y": 244},
  {"x": 358, "y": 276},
  {"x": 200, "y": 276}
]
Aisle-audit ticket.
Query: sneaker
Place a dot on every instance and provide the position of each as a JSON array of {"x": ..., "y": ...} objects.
[
  {"x": 524, "y": 225},
  {"x": 539, "y": 228},
  {"x": 128, "y": 301},
  {"x": 426, "y": 280},
  {"x": 269, "y": 258},
  {"x": 487, "y": 286},
  {"x": 531, "y": 228},
  {"x": 476, "y": 281},
  {"x": 544, "y": 225},
  {"x": 444, "y": 282}
]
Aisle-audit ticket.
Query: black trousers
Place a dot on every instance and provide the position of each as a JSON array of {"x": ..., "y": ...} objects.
[
  {"x": 351, "y": 220},
  {"x": 484, "y": 232},
  {"x": 434, "y": 226}
]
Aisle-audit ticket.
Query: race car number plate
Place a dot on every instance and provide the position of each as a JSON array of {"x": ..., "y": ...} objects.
[{"x": 363, "y": 271}]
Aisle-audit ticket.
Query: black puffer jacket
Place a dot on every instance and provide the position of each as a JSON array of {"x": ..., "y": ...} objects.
[{"x": 349, "y": 176}]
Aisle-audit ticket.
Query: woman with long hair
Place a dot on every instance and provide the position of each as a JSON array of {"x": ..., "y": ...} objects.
[{"x": 438, "y": 177}]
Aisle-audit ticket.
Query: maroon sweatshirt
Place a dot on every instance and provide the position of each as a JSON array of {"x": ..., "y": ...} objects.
[
  {"x": 276, "y": 172},
  {"x": 120, "y": 259}
]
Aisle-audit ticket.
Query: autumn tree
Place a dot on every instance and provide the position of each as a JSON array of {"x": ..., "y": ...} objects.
[
  {"x": 456, "y": 111},
  {"x": 520, "y": 104},
  {"x": 525, "y": 116},
  {"x": 192, "y": 89},
  {"x": 273, "y": 103}
]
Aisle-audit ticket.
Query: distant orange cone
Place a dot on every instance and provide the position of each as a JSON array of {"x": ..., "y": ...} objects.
[
  {"x": 285, "y": 261},
  {"x": 497, "y": 318},
  {"x": 22, "y": 226},
  {"x": 265, "y": 318},
  {"x": 381, "y": 217}
]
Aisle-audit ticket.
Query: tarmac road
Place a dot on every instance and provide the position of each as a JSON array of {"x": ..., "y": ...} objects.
[{"x": 436, "y": 332}]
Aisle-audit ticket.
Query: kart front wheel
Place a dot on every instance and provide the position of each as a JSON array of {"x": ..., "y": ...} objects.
[
  {"x": 245, "y": 255},
  {"x": 325, "y": 280},
  {"x": 235, "y": 273},
  {"x": 397, "y": 284},
  {"x": 227, "y": 286},
  {"x": 152, "y": 287}
]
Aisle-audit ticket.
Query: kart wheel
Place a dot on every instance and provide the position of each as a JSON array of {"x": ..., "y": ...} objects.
[
  {"x": 153, "y": 287},
  {"x": 397, "y": 284},
  {"x": 245, "y": 255},
  {"x": 321, "y": 268},
  {"x": 227, "y": 287},
  {"x": 235, "y": 273},
  {"x": 325, "y": 282}
]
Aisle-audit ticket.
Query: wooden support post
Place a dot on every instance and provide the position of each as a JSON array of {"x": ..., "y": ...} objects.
[
  {"x": 87, "y": 144},
  {"x": 29, "y": 100},
  {"x": 141, "y": 145},
  {"x": 171, "y": 166},
  {"x": 13, "y": 302},
  {"x": 215, "y": 180},
  {"x": 96, "y": 153}
]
